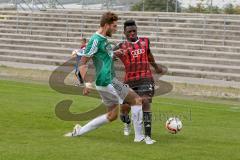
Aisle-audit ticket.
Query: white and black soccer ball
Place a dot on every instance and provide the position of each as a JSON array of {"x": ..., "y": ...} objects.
[{"x": 173, "y": 125}]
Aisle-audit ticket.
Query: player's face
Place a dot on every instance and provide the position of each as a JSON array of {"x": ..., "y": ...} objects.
[
  {"x": 131, "y": 33},
  {"x": 82, "y": 42},
  {"x": 112, "y": 28}
]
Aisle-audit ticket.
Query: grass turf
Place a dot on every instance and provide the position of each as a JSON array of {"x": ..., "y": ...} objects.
[{"x": 30, "y": 130}]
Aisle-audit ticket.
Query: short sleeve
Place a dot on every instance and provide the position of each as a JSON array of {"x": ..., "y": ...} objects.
[{"x": 91, "y": 48}]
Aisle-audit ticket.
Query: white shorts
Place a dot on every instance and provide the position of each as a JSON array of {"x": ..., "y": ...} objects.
[{"x": 114, "y": 93}]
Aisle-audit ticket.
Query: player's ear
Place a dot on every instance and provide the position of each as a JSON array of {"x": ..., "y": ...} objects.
[{"x": 106, "y": 25}]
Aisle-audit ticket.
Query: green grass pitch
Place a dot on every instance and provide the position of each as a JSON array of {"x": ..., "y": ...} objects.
[{"x": 30, "y": 130}]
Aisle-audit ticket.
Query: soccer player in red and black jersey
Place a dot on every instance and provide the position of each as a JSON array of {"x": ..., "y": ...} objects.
[{"x": 137, "y": 58}]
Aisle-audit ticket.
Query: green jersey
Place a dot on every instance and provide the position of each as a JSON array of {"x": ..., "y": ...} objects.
[{"x": 102, "y": 55}]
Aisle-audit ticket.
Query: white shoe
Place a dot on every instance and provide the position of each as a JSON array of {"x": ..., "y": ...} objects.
[
  {"x": 139, "y": 139},
  {"x": 75, "y": 131},
  {"x": 127, "y": 129},
  {"x": 148, "y": 140}
]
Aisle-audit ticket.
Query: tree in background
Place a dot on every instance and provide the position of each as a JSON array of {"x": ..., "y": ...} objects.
[
  {"x": 157, "y": 6},
  {"x": 231, "y": 9},
  {"x": 237, "y": 10},
  {"x": 203, "y": 7}
]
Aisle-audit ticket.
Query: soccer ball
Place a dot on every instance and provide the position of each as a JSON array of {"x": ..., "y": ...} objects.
[{"x": 173, "y": 125}]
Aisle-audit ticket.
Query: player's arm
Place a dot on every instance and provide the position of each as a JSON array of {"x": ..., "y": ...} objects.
[
  {"x": 88, "y": 53},
  {"x": 118, "y": 51},
  {"x": 83, "y": 67},
  {"x": 115, "y": 52}
]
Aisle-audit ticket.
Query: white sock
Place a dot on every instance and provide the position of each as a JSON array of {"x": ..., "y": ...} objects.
[
  {"x": 93, "y": 124},
  {"x": 137, "y": 116}
]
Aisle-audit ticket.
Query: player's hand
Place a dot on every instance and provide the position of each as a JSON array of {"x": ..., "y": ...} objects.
[
  {"x": 74, "y": 53},
  {"x": 119, "y": 52},
  {"x": 158, "y": 70},
  {"x": 164, "y": 70},
  {"x": 86, "y": 91},
  {"x": 161, "y": 70}
]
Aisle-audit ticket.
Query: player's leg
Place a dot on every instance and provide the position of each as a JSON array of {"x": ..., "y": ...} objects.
[
  {"x": 147, "y": 94},
  {"x": 79, "y": 77},
  {"x": 125, "y": 109},
  {"x": 129, "y": 96},
  {"x": 147, "y": 116},
  {"x": 125, "y": 118},
  {"x": 146, "y": 91},
  {"x": 76, "y": 72},
  {"x": 135, "y": 102},
  {"x": 111, "y": 100},
  {"x": 110, "y": 116}
]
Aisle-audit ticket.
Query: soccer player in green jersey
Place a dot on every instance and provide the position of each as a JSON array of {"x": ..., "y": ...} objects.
[{"x": 112, "y": 91}]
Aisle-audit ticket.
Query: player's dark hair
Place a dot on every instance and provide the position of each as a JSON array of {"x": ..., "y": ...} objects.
[
  {"x": 129, "y": 23},
  {"x": 84, "y": 40},
  {"x": 108, "y": 18}
]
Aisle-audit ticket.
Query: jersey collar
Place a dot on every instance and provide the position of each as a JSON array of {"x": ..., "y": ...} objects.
[
  {"x": 101, "y": 35},
  {"x": 133, "y": 42}
]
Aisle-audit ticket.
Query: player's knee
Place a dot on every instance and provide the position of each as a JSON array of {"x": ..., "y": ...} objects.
[
  {"x": 138, "y": 101},
  {"x": 112, "y": 117},
  {"x": 125, "y": 108},
  {"x": 146, "y": 104}
]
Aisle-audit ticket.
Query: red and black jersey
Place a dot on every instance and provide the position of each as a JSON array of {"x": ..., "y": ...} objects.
[{"x": 135, "y": 60}]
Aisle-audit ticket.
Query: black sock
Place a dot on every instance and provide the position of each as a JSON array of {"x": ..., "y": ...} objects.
[
  {"x": 147, "y": 119},
  {"x": 125, "y": 118}
]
